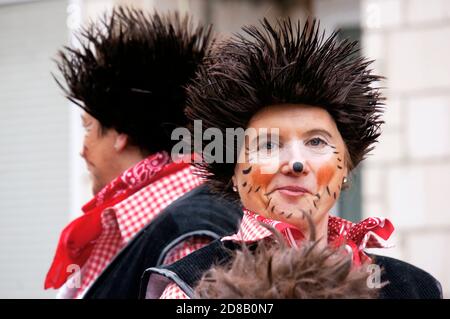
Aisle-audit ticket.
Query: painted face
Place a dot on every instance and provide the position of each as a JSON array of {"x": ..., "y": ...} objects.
[
  {"x": 298, "y": 172},
  {"x": 98, "y": 152}
]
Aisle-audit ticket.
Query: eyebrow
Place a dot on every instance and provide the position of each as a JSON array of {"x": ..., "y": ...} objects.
[
  {"x": 319, "y": 131},
  {"x": 263, "y": 137},
  {"x": 309, "y": 132},
  {"x": 84, "y": 119}
]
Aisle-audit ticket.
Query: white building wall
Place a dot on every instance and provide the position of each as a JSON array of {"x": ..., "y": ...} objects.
[
  {"x": 408, "y": 177},
  {"x": 43, "y": 183},
  {"x": 34, "y": 172}
]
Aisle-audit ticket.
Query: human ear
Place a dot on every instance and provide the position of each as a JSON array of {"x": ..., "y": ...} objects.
[{"x": 121, "y": 142}]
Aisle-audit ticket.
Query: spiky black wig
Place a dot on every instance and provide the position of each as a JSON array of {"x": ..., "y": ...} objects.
[
  {"x": 285, "y": 63},
  {"x": 131, "y": 70}
]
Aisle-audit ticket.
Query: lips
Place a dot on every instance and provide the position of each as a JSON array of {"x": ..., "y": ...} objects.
[{"x": 292, "y": 190}]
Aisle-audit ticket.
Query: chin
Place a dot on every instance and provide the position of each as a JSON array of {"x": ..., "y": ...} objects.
[
  {"x": 297, "y": 221},
  {"x": 95, "y": 191},
  {"x": 96, "y": 188}
]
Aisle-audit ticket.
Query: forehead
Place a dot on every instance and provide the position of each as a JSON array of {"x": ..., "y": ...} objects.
[{"x": 293, "y": 117}]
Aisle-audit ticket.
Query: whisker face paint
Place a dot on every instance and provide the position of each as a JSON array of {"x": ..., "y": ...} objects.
[
  {"x": 268, "y": 203},
  {"x": 303, "y": 161}
]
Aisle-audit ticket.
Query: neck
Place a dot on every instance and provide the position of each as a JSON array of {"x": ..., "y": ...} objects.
[
  {"x": 128, "y": 160},
  {"x": 125, "y": 161}
]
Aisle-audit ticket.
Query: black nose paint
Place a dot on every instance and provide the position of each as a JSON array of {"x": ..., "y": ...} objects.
[{"x": 297, "y": 167}]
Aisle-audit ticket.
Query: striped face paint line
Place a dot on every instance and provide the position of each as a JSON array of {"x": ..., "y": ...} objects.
[{"x": 268, "y": 203}]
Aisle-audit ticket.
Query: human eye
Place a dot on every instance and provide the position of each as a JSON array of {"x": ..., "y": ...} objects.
[
  {"x": 86, "y": 124},
  {"x": 316, "y": 142},
  {"x": 268, "y": 146}
]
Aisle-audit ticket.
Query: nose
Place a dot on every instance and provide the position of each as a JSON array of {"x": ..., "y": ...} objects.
[
  {"x": 83, "y": 152},
  {"x": 295, "y": 163},
  {"x": 297, "y": 167}
]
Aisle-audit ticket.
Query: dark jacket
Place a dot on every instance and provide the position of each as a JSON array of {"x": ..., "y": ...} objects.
[
  {"x": 405, "y": 281},
  {"x": 196, "y": 213}
]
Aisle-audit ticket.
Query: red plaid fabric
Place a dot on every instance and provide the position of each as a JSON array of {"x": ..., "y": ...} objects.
[
  {"x": 185, "y": 248},
  {"x": 369, "y": 233},
  {"x": 121, "y": 222},
  {"x": 372, "y": 232},
  {"x": 173, "y": 291},
  {"x": 78, "y": 238}
]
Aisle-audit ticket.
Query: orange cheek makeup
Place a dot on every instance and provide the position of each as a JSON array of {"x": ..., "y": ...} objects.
[
  {"x": 259, "y": 178},
  {"x": 324, "y": 177},
  {"x": 253, "y": 181}
]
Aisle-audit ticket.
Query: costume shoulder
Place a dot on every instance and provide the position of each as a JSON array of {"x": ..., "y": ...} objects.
[
  {"x": 197, "y": 213},
  {"x": 406, "y": 281},
  {"x": 202, "y": 201},
  {"x": 187, "y": 271}
]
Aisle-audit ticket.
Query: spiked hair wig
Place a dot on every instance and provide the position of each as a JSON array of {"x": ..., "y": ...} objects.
[
  {"x": 285, "y": 63},
  {"x": 131, "y": 70}
]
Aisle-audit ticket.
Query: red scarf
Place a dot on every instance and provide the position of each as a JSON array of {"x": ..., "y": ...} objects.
[
  {"x": 78, "y": 238},
  {"x": 372, "y": 232}
]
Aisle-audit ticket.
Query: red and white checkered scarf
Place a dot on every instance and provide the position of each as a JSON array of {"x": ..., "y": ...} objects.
[
  {"x": 82, "y": 239},
  {"x": 372, "y": 232}
]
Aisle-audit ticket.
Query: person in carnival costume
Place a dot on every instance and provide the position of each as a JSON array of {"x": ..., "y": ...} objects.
[
  {"x": 312, "y": 111},
  {"x": 149, "y": 208}
]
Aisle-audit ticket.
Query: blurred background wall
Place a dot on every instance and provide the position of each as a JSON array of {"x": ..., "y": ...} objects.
[{"x": 43, "y": 181}]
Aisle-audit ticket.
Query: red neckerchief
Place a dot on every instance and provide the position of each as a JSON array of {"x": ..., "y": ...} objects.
[
  {"x": 372, "y": 232},
  {"x": 78, "y": 238}
]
